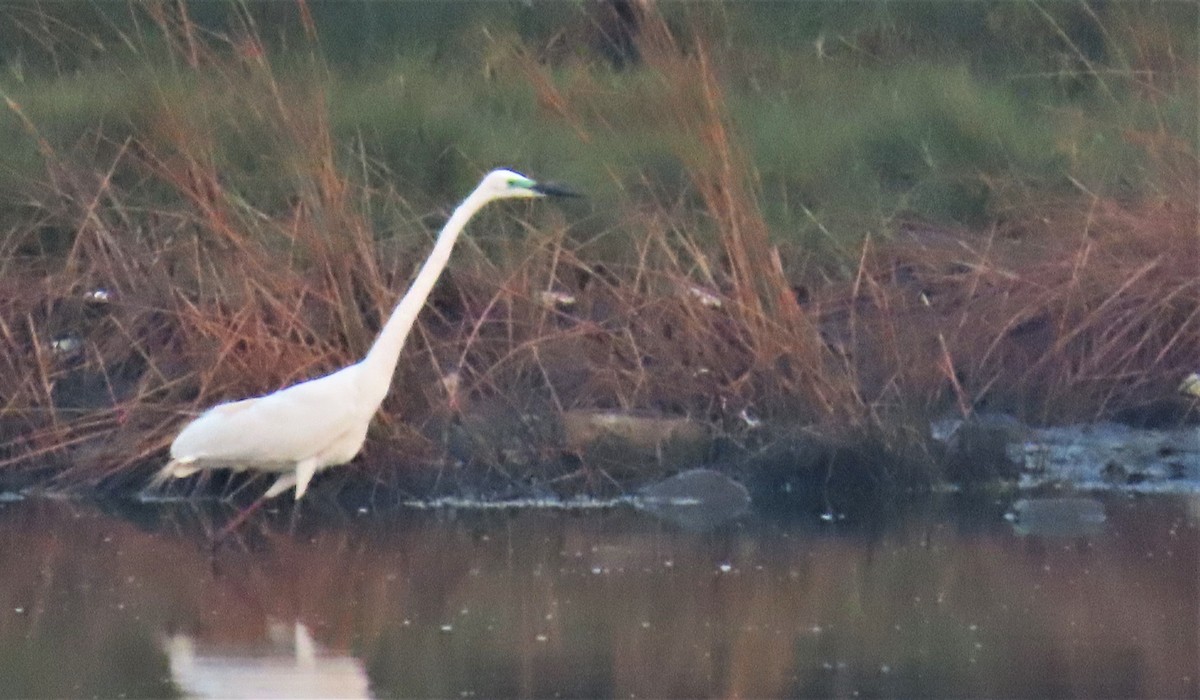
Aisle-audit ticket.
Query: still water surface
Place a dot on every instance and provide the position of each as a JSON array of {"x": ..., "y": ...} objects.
[{"x": 946, "y": 600}]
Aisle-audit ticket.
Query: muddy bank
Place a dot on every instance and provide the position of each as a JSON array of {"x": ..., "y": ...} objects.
[
  {"x": 689, "y": 473},
  {"x": 1093, "y": 457}
]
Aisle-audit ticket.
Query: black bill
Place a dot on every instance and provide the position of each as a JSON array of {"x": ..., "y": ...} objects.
[{"x": 551, "y": 189}]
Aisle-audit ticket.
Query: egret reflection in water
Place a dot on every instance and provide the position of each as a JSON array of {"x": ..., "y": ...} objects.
[{"x": 291, "y": 665}]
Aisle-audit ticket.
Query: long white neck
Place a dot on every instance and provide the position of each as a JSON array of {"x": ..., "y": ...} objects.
[{"x": 380, "y": 363}]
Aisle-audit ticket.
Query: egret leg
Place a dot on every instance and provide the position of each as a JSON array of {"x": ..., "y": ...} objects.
[
  {"x": 237, "y": 521},
  {"x": 283, "y": 483},
  {"x": 304, "y": 474}
]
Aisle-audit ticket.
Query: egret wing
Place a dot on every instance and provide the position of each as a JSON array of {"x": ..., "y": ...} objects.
[{"x": 278, "y": 429}]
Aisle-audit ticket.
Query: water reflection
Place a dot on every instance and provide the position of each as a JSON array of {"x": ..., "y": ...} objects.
[
  {"x": 697, "y": 500},
  {"x": 939, "y": 602},
  {"x": 1057, "y": 517},
  {"x": 288, "y": 666}
]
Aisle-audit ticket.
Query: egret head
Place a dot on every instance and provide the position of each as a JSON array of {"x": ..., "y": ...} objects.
[{"x": 506, "y": 184}]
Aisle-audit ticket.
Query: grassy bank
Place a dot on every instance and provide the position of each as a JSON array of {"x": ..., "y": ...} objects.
[{"x": 838, "y": 219}]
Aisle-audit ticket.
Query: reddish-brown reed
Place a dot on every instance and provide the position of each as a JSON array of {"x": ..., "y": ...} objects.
[{"x": 173, "y": 290}]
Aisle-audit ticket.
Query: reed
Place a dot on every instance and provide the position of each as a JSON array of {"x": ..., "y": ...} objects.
[{"x": 226, "y": 237}]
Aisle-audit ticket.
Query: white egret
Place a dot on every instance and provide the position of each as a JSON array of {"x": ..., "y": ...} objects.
[{"x": 320, "y": 423}]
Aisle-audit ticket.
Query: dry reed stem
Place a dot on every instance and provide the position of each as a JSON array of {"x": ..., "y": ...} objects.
[
  {"x": 1092, "y": 305},
  {"x": 1071, "y": 325}
]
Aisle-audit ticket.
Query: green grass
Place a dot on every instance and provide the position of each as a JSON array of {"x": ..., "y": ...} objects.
[{"x": 907, "y": 110}]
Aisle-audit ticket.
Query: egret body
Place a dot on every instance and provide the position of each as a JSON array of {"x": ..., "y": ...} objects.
[{"x": 320, "y": 423}]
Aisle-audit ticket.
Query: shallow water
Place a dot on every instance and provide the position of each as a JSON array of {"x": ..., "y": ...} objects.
[{"x": 949, "y": 599}]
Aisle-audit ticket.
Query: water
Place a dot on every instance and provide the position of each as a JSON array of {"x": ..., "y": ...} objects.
[{"x": 946, "y": 600}]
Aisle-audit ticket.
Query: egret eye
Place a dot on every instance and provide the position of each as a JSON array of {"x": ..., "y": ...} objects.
[{"x": 520, "y": 183}]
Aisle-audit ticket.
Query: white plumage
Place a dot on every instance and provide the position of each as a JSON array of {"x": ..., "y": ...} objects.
[{"x": 302, "y": 429}]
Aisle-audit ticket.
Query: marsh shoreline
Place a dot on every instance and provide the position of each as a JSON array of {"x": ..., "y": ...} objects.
[{"x": 798, "y": 253}]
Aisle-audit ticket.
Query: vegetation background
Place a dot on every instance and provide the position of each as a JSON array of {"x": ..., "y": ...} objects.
[{"x": 840, "y": 218}]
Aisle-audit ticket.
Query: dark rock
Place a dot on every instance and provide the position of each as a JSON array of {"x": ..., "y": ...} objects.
[{"x": 697, "y": 500}]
